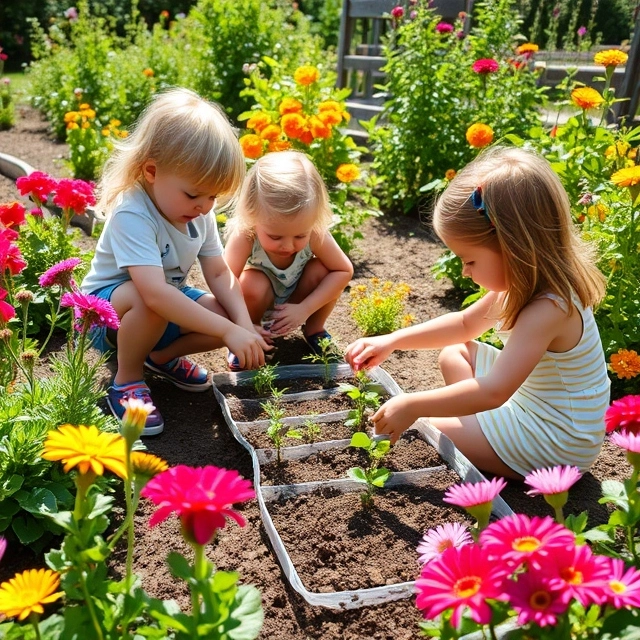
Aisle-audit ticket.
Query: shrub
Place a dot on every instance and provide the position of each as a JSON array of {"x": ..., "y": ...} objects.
[{"x": 378, "y": 307}]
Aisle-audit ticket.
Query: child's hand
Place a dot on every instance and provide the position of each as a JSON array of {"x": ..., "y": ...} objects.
[
  {"x": 287, "y": 318},
  {"x": 248, "y": 346},
  {"x": 394, "y": 417},
  {"x": 264, "y": 333},
  {"x": 366, "y": 353}
]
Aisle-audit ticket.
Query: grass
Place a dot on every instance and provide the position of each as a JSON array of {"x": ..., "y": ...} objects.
[{"x": 20, "y": 86}]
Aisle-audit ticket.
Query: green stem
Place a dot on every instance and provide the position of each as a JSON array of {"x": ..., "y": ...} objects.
[
  {"x": 200, "y": 572},
  {"x": 131, "y": 524},
  {"x": 492, "y": 631},
  {"x": 559, "y": 515},
  {"x": 54, "y": 320},
  {"x": 92, "y": 611},
  {"x": 33, "y": 619}
]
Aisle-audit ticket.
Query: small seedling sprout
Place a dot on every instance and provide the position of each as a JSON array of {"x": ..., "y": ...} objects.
[
  {"x": 365, "y": 397},
  {"x": 329, "y": 354},
  {"x": 373, "y": 476}
]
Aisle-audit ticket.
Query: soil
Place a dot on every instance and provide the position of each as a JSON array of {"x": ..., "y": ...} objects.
[{"x": 396, "y": 249}]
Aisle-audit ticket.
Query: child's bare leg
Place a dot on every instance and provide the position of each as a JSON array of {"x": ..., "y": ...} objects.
[
  {"x": 189, "y": 343},
  {"x": 458, "y": 362},
  {"x": 314, "y": 273},
  {"x": 258, "y": 293},
  {"x": 140, "y": 329},
  {"x": 466, "y": 434}
]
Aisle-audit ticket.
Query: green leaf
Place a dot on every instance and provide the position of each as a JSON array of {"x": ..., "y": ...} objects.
[
  {"x": 101, "y": 504},
  {"x": 27, "y": 528},
  {"x": 379, "y": 477},
  {"x": 357, "y": 474},
  {"x": 40, "y": 501},
  {"x": 246, "y": 616},
  {"x": 360, "y": 440},
  {"x": 179, "y": 565}
]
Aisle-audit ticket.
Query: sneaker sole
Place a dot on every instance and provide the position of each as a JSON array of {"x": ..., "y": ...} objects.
[
  {"x": 195, "y": 388},
  {"x": 157, "y": 429}
]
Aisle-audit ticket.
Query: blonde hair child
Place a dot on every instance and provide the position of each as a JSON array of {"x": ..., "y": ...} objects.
[
  {"x": 288, "y": 264},
  {"x": 159, "y": 189},
  {"x": 540, "y": 401}
]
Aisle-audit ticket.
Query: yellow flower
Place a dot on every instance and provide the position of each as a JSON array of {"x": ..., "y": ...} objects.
[
  {"x": 114, "y": 122},
  {"x": 527, "y": 47},
  {"x": 84, "y": 105},
  {"x": 625, "y": 364},
  {"x": 347, "y": 172},
  {"x": 598, "y": 211},
  {"x": 26, "y": 592},
  {"x": 628, "y": 177},
  {"x": 221, "y": 218},
  {"x": 330, "y": 117},
  {"x": 88, "y": 113},
  {"x": 252, "y": 146},
  {"x": 136, "y": 412},
  {"x": 259, "y": 121},
  {"x": 306, "y": 75},
  {"x": 586, "y": 98},
  {"x": 87, "y": 448},
  {"x": 450, "y": 174},
  {"x": 290, "y": 105},
  {"x": 610, "y": 57},
  {"x": 146, "y": 464},
  {"x": 148, "y": 73},
  {"x": 71, "y": 116},
  {"x": 73, "y": 125},
  {"x": 479, "y": 135},
  {"x": 408, "y": 320},
  {"x": 278, "y": 145},
  {"x": 85, "y": 125}
]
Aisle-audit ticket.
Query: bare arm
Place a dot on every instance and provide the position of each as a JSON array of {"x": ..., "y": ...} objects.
[{"x": 237, "y": 252}]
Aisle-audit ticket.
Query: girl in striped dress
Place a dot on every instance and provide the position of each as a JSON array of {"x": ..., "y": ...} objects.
[{"x": 541, "y": 400}]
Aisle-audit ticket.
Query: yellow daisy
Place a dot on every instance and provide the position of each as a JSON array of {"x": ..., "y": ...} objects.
[{"x": 26, "y": 592}]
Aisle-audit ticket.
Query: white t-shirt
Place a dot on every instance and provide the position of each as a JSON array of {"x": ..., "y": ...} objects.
[{"x": 136, "y": 235}]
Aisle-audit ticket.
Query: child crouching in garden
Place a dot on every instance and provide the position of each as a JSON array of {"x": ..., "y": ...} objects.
[
  {"x": 159, "y": 189},
  {"x": 290, "y": 268},
  {"x": 541, "y": 400}
]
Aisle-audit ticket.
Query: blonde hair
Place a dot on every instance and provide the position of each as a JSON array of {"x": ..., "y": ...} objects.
[
  {"x": 282, "y": 183},
  {"x": 182, "y": 133},
  {"x": 528, "y": 218}
]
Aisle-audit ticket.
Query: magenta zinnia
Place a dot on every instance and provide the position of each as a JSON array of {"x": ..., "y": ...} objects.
[
  {"x": 444, "y": 27},
  {"x": 444, "y": 536},
  {"x": 461, "y": 577},
  {"x": 60, "y": 274},
  {"x": 74, "y": 195},
  {"x": 201, "y": 497},
  {"x": 518, "y": 538},
  {"x": 7, "y": 311},
  {"x": 554, "y": 480},
  {"x": 534, "y": 600},
  {"x": 476, "y": 498},
  {"x": 38, "y": 185},
  {"x": 630, "y": 442},
  {"x": 622, "y": 588},
  {"x": 485, "y": 65},
  {"x": 623, "y": 414},
  {"x": 91, "y": 311}
]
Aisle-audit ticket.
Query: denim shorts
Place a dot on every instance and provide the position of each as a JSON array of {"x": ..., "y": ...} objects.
[{"x": 98, "y": 335}]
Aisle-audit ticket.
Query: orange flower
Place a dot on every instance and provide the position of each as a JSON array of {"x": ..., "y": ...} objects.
[
  {"x": 329, "y": 105},
  {"x": 306, "y": 75},
  {"x": 450, "y": 174},
  {"x": 610, "y": 57},
  {"x": 271, "y": 132},
  {"x": 318, "y": 128},
  {"x": 347, "y": 172},
  {"x": 71, "y": 116},
  {"x": 72, "y": 125},
  {"x": 586, "y": 98},
  {"x": 148, "y": 73},
  {"x": 598, "y": 211},
  {"x": 252, "y": 146},
  {"x": 330, "y": 117},
  {"x": 306, "y": 137},
  {"x": 479, "y": 135},
  {"x": 629, "y": 177},
  {"x": 290, "y": 105},
  {"x": 293, "y": 125},
  {"x": 527, "y": 48},
  {"x": 278, "y": 145},
  {"x": 625, "y": 364},
  {"x": 259, "y": 121}
]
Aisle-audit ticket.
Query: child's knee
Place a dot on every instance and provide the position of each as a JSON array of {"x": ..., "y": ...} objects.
[
  {"x": 315, "y": 272},
  {"x": 256, "y": 288},
  {"x": 448, "y": 355}
]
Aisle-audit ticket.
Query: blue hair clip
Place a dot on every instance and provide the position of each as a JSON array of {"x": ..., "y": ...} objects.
[{"x": 478, "y": 203}]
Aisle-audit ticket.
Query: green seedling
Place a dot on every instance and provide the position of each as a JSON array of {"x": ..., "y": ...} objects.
[
  {"x": 329, "y": 354},
  {"x": 366, "y": 398},
  {"x": 277, "y": 429},
  {"x": 264, "y": 378},
  {"x": 373, "y": 476},
  {"x": 312, "y": 431}
]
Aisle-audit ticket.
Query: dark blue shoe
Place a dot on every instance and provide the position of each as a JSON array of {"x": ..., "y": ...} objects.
[
  {"x": 116, "y": 396},
  {"x": 314, "y": 340}
]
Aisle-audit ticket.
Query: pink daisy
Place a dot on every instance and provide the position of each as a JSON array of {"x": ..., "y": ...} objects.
[
  {"x": 553, "y": 480},
  {"x": 3, "y": 546},
  {"x": 91, "y": 311},
  {"x": 201, "y": 497},
  {"x": 74, "y": 195},
  {"x": 461, "y": 577},
  {"x": 577, "y": 573},
  {"x": 631, "y": 443},
  {"x": 485, "y": 66},
  {"x": 60, "y": 274},
  {"x": 622, "y": 589},
  {"x": 476, "y": 498},
  {"x": 518, "y": 538},
  {"x": 534, "y": 600},
  {"x": 623, "y": 413},
  {"x": 436, "y": 541},
  {"x": 11, "y": 259},
  {"x": 6, "y": 310},
  {"x": 38, "y": 185}
]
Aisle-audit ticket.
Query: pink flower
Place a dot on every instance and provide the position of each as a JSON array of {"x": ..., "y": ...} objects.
[
  {"x": 436, "y": 541},
  {"x": 6, "y": 310},
  {"x": 74, "y": 195},
  {"x": 461, "y": 577},
  {"x": 624, "y": 413},
  {"x": 622, "y": 589},
  {"x": 11, "y": 259},
  {"x": 552, "y": 481},
  {"x": 38, "y": 185},
  {"x": 582, "y": 32},
  {"x": 518, "y": 538},
  {"x": 534, "y": 600},
  {"x": 36, "y": 212},
  {"x": 12, "y": 214},
  {"x": 201, "y": 497},
  {"x": 631, "y": 443},
  {"x": 3, "y": 546},
  {"x": 476, "y": 498},
  {"x": 485, "y": 65},
  {"x": 397, "y": 12},
  {"x": 91, "y": 311},
  {"x": 60, "y": 274},
  {"x": 577, "y": 573},
  {"x": 444, "y": 27}
]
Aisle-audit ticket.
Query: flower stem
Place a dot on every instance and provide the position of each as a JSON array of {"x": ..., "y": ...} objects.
[
  {"x": 131, "y": 524},
  {"x": 492, "y": 631},
  {"x": 559, "y": 515},
  {"x": 92, "y": 611},
  {"x": 33, "y": 618}
]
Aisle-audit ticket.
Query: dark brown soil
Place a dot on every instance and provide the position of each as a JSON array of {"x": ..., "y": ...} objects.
[
  {"x": 397, "y": 249},
  {"x": 298, "y": 385}
]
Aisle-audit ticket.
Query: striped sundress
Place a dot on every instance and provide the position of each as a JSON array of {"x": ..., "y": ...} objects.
[{"x": 557, "y": 416}]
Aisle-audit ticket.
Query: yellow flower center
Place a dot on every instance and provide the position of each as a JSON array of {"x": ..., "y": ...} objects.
[
  {"x": 467, "y": 586},
  {"x": 526, "y": 544},
  {"x": 617, "y": 586},
  {"x": 571, "y": 575},
  {"x": 539, "y": 600}
]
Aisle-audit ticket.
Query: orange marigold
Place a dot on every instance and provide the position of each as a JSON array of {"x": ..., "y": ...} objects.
[
  {"x": 252, "y": 146},
  {"x": 586, "y": 98},
  {"x": 71, "y": 116},
  {"x": 625, "y": 364},
  {"x": 271, "y": 132},
  {"x": 450, "y": 174},
  {"x": 527, "y": 47},
  {"x": 330, "y": 117},
  {"x": 479, "y": 135},
  {"x": 278, "y": 145},
  {"x": 329, "y": 105},
  {"x": 306, "y": 75},
  {"x": 347, "y": 172},
  {"x": 628, "y": 177},
  {"x": 72, "y": 125},
  {"x": 290, "y": 105},
  {"x": 610, "y": 57},
  {"x": 293, "y": 125},
  {"x": 306, "y": 137},
  {"x": 259, "y": 121},
  {"x": 318, "y": 128},
  {"x": 148, "y": 73}
]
